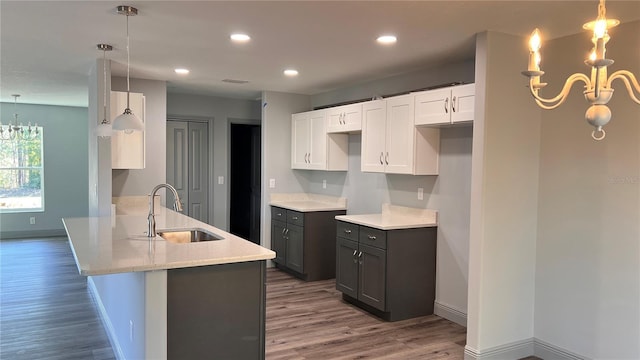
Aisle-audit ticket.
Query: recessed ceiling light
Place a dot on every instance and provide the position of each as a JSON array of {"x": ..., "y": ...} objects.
[
  {"x": 387, "y": 39},
  {"x": 181, "y": 71},
  {"x": 239, "y": 37},
  {"x": 291, "y": 72}
]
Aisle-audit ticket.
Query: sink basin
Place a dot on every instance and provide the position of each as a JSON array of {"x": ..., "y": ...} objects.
[{"x": 188, "y": 236}]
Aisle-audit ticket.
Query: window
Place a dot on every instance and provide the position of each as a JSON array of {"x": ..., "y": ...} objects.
[{"x": 21, "y": 175}]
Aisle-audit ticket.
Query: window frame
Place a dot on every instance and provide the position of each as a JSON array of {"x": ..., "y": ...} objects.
[{"x": 39, "y": 168}]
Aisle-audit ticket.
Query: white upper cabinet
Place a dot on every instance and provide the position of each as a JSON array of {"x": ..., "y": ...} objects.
[
  {"x": 445, "y": 106},
  {"x": 312, "y": 148},
  {"x": 392, "y": 144},
  {"x": 346, "y": 118},
  {"x": 127, "y": 150}
]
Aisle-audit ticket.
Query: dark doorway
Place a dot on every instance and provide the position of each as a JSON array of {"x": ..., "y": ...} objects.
[{"x": 244, "y": 182}]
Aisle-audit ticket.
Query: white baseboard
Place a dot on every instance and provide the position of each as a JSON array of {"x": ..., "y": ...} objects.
[
  {"x": 113, "y": 339},
  {"x": 450, "y": 313},
  {"x": 547, "y": 351},
  {"x": 515, "y": 350}
]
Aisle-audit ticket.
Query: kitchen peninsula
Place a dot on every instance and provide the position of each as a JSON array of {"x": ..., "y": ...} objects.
[{"x": 168, "y": 300}]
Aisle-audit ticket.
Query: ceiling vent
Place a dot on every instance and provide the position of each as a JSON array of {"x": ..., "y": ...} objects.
[{"x": 235, "y": 81}]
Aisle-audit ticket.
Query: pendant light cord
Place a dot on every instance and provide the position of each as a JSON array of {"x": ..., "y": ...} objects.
[
  {"x": 104, "y": 80},
  {"x": 128, "y": 59}
]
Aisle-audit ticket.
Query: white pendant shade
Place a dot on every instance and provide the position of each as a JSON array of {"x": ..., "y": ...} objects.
[
  {"x": 128, "y": 122},
  {"x": 104, "y": 130}
]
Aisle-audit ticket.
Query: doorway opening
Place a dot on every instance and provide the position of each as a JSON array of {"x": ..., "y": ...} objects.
[{"x": 244, "y": 181}]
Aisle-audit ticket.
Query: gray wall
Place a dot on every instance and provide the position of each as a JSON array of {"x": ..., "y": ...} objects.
[
  {"x": 65, "y": 169},
  {"x": 219, "y": 112},
  {"x": 141, "y": 182},
  {"x": 276, "y": 152},
  {"x": 588, "y": 248}
]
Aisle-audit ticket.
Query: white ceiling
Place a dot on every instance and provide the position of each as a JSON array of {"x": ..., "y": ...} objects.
[{"x": 49, "y": 47}]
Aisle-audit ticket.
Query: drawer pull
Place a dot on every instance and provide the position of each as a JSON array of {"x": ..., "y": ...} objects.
[
  {"x": 295, "y": 218},
  {"x": 279, "y": 214},
  {"x": 347, "y": 231},
  {"x": 371, "y": 237}
]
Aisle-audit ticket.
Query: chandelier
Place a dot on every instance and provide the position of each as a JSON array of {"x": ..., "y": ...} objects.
[
  {"x": 17, "y": 131},
  {"x": 598, "y": 89}
]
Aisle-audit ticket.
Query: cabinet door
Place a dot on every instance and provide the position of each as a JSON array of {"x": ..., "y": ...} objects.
[
  {"x": 127, "y": 150},
  {"x": 463, "y": 103},
  {"x": 278, "y": 242},
  {"x": 347, "y": 118},
  {"x": 374, "y": 115},
  {"x": 347, "y": 267},
  {"x": 372, "y": 276},
  {"x": 295, "y": 248},
  {"x": 399, "y": 154},
  {"x": 300, "y": 129},
  {"x": 317, "y": 158},
  {"x": 433, "y": 107}
]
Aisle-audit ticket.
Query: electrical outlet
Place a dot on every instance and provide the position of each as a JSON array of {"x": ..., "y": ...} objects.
[
  {"x": 32, "y": 220},
  {"x": 420, "y": 194},
  {"x": 324, "y": 184},
  {"x": 130, "y": 330},
  {"x": 272, "y": 183}
]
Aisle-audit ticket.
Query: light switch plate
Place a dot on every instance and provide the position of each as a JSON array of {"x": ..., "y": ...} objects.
[
  {"x": 420, "y": 194},
  {"x": 272, "y": 183},
  {"x": 324, "y": 184},
  {"x": 220, "y": 180}
]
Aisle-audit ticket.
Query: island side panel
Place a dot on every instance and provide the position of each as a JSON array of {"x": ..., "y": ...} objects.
[{"x": 216, "y": 312}]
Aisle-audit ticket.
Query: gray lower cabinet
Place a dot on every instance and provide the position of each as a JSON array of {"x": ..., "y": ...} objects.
[
  {"x": 304, "y": 242},
  {"x": 216, "y": 312},
  {"x": 388, "y": 273}
]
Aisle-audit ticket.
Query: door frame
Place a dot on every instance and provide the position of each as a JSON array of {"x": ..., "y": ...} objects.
[{"x": 209, "y": 121}]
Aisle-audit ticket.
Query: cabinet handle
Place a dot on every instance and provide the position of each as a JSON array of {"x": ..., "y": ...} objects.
[
  {"x": 386, "y": 159},
  {"x": 453, "y": 104},
  {"x": 381, "y": 158},
  {"x": 309, "y": 158},
  {"x": 360, "y": 258},
  {"x": 283, "y": 230},
  {"x": 286, "y": 232},
  {"x": 355, "y": 259},
  {"x": 371, "y": 237},
  {"x": 279, "y": 214},
  {"x": 294, "y": 217},
  {"x": 446, "y": 106},
  {"x": 347, "y": 231}
]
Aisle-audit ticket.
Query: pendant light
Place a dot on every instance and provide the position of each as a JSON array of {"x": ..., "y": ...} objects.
[
  {"x": 127, "y": 121},
  {"x": 104, "y": 128}
]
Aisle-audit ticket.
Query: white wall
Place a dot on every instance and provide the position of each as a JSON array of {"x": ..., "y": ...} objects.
[
  {"x": 218, "y": 112},
  {"x": 141, "y": 182},
  {"x": 588, "y": 250},
  {"x": 65, "y": 169},
  {"x": 504, "y": 200}
]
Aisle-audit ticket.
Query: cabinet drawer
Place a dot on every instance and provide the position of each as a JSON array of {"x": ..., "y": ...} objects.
[
  {"x": 373, "y": 237},
  {"x": 347, "y": 230},
  {"x": 278, "y": 214},
  {"x": 295, "y": 218}
]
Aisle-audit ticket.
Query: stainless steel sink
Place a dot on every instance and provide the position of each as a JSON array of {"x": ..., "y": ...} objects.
[{"x": 188, "y": 236}]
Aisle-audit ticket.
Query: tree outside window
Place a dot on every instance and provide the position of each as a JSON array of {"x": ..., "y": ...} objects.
[{"x": 21, "y": 174}]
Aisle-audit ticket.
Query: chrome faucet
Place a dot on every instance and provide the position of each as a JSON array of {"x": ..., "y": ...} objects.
[{"x": 151, "y": 219}]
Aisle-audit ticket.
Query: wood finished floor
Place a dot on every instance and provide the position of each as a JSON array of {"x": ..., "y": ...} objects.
[
  {"x": 311, "y": 321},
  {"x": 46, "y": 312}
]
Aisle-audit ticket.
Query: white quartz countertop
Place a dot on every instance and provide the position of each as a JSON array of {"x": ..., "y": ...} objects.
[
  {"x": 395, "y": 217},
  {"x": 308, "y": 202},
  {"x": 107, "y": 245}
]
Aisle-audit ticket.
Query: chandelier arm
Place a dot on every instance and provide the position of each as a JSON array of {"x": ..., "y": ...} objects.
[
  {"x": 550, "y": 104},
  {"x": 628, "y": 78}
]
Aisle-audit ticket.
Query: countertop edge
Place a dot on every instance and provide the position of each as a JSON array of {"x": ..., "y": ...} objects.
[{"x": 350, "y": 219}]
